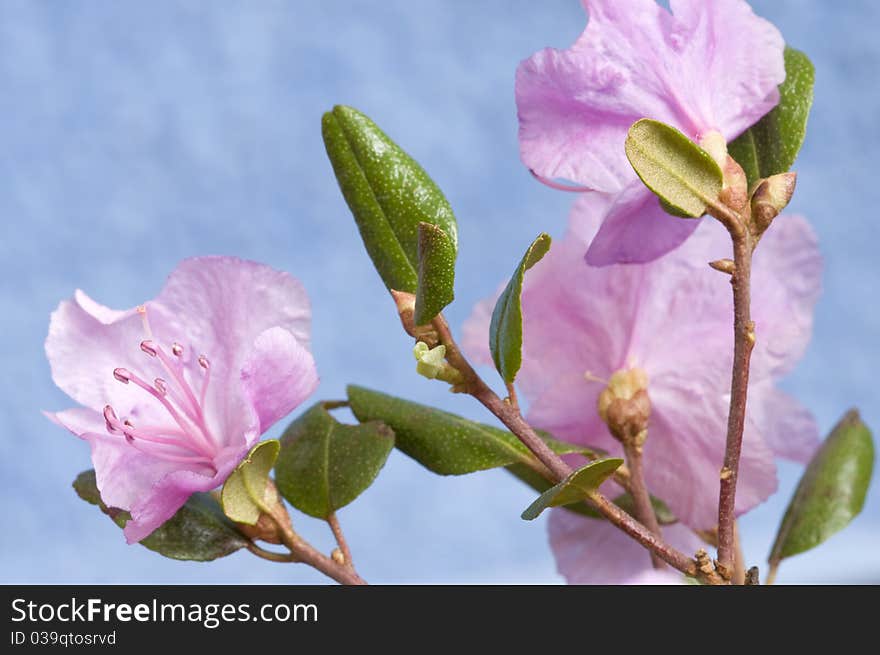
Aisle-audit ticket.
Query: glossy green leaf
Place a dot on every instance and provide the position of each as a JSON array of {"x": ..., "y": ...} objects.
[
  {"x": 445, "y": 443},
  {"x": 388, "y": 193},
  {"x": 325, "y": 464},
  {"x": 771, "y": 145},
  {"x": 832, "y": 491},
  {"x": 198, "y": 531},
  {"x": 506, "y": 328},
  {"x": 575, "y": 488},
  {"x": 677, "y": 170},
  {"x": 436, "y": 273},
  {"x": 244, "y": 493}
]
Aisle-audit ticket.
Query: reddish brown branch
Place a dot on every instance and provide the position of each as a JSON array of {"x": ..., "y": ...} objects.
[
  {"x": 744, "y": 341},
  {"x": 333, "y": 521}
]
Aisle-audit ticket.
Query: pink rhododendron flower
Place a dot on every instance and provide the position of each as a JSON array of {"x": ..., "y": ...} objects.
[
  {"x": 706, "y": 66},
  {"x": 174, "y": 393},
  {"x": 672, "y": 319}
]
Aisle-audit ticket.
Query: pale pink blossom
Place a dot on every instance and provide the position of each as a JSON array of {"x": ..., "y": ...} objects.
[
  {"x": 175, "y": 392},
  {"x": 704, "y": 66},
  {"x": 672, "y": 318}
]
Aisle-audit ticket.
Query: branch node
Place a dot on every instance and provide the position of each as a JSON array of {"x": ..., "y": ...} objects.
[
  {"x": 752, "y": 577},
  {"x": 724, "y": 266}
]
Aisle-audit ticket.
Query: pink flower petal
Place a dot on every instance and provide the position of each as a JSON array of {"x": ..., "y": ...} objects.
[
  {"x": 685, "y": 450},
  {"x": 97, "y": 310},
  {"x": 475, "y": 331},
  {"x": 124, "y": 475},
  {"x": 151, "y": 489},
  {"x": 83, "y": 350},
  {"x": 706, "y": 66},
  {"x": 591, "y": 551},
  {"x": 786, "y": 426},
  {"x": 568, "y": 410},
  {"x": 278, "y": 375},
  {"x": 167, "y": 495},
  {"x": 637, "y": 230},
  {"x": 655, "y": 578},
  {"x": 222, "y": 304},
  {"x": 788, "y": 273}
]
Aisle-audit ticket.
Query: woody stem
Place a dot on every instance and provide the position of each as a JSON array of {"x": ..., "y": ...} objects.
[
  {"x": 744, "y": 342},
  {"x": 644, "y": 511}
]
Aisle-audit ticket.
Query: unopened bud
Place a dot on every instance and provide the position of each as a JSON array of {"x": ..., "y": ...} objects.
[
  {"x": 431, "y": 363},
  {"x": 337, "y": 556},
  {"x": 625, "y": 407},
  {"x": 724, "y": 265},
  {"x": 406, "y": 310},
  {"x": 266, "y": 527},
  {"x": 735, "y": 187},
  {"x": 770, "y": 198},
  {"x": 430, "y": 360}
]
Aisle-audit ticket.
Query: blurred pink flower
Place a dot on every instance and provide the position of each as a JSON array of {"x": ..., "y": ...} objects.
[
  {"x": 705, "y": 66},
  {"x": 175, "y": 392},
  {"x": 590, "y": 551},
  {"x": 672, "y": 318}
]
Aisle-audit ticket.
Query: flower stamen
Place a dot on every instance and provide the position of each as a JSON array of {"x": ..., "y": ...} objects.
[{"x": 194, "y": 432}]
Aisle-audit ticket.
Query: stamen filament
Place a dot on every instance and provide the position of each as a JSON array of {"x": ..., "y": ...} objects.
[
  {"x": 206, "y": 365},
  {"x": 176, "y": 372},
  {"x": 123, "y": 373},
  {"x": 154, "y": 435},
  {"x": 181, "y": 459}
]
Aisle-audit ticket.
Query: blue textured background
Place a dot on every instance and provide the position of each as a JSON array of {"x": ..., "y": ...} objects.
[{"x": 135, "y": 134}]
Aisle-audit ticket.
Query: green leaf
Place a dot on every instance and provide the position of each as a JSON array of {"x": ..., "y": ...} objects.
[
  {"x": 388, "y": 193},
  {"x": 325, "y": 464},
  {"x": 772, "y": 144},
  {"x": 676, "y": 169},
  {"x": 244, "y": 493},
  {"x": 436, "y": 273},
  {"x": 624, "y": 501},
  {"x": 445, "y": 443},
  {"x": 831, "y": 492},
  {"x": 198, "y": 531},
  {"x": 575, "y": 488},
  {"x": 506, "y": 328}
]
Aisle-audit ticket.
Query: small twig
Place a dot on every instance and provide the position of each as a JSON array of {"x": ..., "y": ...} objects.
[
  {"x": 269, "y": 555},
  {"x": 511, "y": 417},
  {"x": 335, "y": 404},
  {"x": 744, "y": 341},
  {"x": 333, "y": 521},
  {"x": 753, "y": 578},
  {"x": 511, "y": 396},
  {"x": 771, "y": 572},
  {"x": 307, "y": 554},
  {"x": 644, "y": 510},
  {"x": 739, "y": 565}
]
